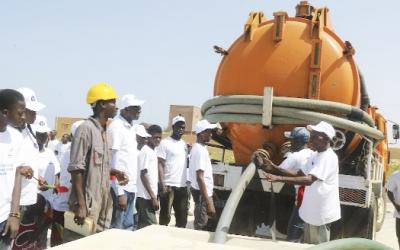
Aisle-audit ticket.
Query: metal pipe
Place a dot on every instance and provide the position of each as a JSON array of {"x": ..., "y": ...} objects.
[{"x": 229, "y": 210}]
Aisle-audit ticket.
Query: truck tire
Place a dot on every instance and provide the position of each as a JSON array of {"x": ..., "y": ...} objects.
[{"x": 381, "y": 211}]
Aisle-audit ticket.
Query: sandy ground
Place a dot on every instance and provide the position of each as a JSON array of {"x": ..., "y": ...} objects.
[{"x": 387, "y": 235}]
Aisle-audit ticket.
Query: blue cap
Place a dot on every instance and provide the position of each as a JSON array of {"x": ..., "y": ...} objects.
[{"x": 298, "y": 134}]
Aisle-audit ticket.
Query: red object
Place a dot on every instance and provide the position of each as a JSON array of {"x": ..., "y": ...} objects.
[
  {"x": 113, "y": 177},
  {"x": 62, "y": 189},
  {"x": 299, "y": 197}
]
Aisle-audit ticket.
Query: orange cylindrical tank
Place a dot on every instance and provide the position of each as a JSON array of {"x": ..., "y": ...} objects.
[{"x": 254, "y": 64}]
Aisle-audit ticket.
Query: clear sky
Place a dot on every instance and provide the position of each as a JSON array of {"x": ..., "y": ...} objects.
[{"x": 161, "y": 51}]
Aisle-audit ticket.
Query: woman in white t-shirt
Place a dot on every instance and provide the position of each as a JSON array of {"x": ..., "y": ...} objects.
[{"x": 201, "y": 176}]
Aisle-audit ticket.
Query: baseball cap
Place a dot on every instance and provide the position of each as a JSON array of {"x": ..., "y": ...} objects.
[
  {"x": 323, "y": 127},
  {"x": 30, "y": 99},
  {"x": 141, "y": 131},
  {"x": 75, "y": 126},
  {"x": 204, "y": 125},
  {"x": 129, "y": 100},
  {"x": 298, "y": 134},
  {"x": 178, "y": 118},
  {"x": 40, "y": 124}
]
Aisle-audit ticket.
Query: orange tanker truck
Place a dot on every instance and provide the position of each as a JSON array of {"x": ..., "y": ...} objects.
[{"x": 280, "y": 73}]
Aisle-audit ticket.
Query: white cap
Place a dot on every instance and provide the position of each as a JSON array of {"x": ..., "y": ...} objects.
[
  {"x": 141, "y": 131},
  {"x": 178, "y": 118},
  {"x": 129, "y": 100},
  {"x": 323, "y": 127},
  {"x": 75, "y": 126},
  {"x": 40, "y": 124},
  {"x": 204, "y": 125},
  {"x": 31, "y": 100}
]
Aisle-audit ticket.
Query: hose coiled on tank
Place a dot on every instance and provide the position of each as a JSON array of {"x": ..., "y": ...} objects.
[{"x": 290, "y": 110}]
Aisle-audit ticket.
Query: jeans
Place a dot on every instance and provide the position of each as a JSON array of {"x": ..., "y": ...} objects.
[
  {"x": 146, "y": 213},
  {"x": 178, "y": 198},
  {"x": 123, "y": 219},
  {"x": 295, "y": 226}
]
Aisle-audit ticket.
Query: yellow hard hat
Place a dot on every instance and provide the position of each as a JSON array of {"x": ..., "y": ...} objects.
[{"x": 100, "y": 91}]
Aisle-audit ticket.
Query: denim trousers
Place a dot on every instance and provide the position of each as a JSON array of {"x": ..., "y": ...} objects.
[{"x": 123, "y": 219}]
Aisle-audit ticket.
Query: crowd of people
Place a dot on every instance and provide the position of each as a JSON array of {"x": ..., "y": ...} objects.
[
  {"x": 115, "y": 173},
  {"x": 109, "y": 171}
]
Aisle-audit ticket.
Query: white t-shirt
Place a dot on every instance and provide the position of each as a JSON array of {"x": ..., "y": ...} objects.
[
  {"x": 30, "y": 151},
  {"x": 53, "y": 144},
  {"x": 296, "y": 160},
  {"x": 61, "y": 149},
  {"x": 147, "y": 159},
  {"x": 48, "y": 168},
  {"x": 175, "y": 155},
  {"x": 60, "y": 200},
  {"x": 321, "y": 203},
  {"x": 10, "y": 145},
  {"x": 200, "y": 160},
  {"x": 393, "y": 185},
  {"x": 122, "y": 138}
]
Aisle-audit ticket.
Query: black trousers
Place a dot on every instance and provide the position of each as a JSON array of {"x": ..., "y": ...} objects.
[{"x": 178, "y": 198}]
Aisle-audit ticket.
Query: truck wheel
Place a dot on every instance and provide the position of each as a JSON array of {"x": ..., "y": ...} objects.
[{"x": 381, "y": 211}]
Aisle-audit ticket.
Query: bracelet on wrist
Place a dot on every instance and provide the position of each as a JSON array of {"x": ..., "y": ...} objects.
[{"x": 16, "y": 215}]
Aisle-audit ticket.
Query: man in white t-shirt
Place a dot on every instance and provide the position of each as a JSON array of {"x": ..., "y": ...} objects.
[
  {"x": 29, "y": 191},
  {"x": 201, "y": 175},
  {"x": 53, "y": 141},
  {"x": 320, "y": 175},
  {"x": 172, "y": 164},
  {"x": 63, "y": 146},
  {"x": 147, "y": 201},
  {"x": 12, "y": 113},
  {"x": 123, "y": 144},
  {"x": 393, "y": 192},
  {"x": 295, "y": 161}
]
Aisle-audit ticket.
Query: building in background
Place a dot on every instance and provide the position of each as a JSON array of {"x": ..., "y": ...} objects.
[
  {"x": 192, "y": 115},
  {"x": 63, "y": 125}
]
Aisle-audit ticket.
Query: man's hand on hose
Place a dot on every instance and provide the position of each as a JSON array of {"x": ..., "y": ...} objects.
[{"x": 272, "y": 178}]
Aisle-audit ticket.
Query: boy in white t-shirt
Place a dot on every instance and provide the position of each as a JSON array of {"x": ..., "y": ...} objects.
[
  {"x": 393, "y": 192},
  {"x": 172, "y": 166},
  {"x": 53, "y": 141},
  {"x": 147, "y": 202},
  {"x": 12, "y": 112},
  {"x": 320, "y": 175},
  {"x": 48, "y": 172},
  {"x": 63, "y": 146},
  {"x": 201, "y": 176}
]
